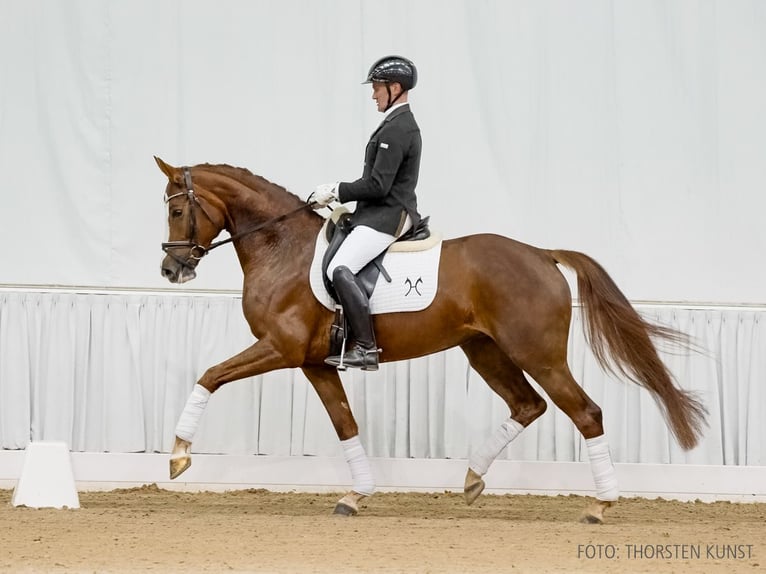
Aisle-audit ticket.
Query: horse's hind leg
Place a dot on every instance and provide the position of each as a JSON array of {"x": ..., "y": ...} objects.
[
  {"x": 508, "y": 381},
  {"x": 327, "y": 384},
  {"x": 564, "y": 391}
]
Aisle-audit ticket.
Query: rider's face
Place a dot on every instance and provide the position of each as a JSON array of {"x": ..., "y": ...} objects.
[{"x": 380, "y": 93}]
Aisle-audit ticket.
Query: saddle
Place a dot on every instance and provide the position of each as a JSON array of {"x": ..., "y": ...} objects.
[{"x": 338, "y": 228}]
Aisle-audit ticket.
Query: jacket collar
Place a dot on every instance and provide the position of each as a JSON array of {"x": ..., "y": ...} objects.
[{"x": 397, "y": 112}]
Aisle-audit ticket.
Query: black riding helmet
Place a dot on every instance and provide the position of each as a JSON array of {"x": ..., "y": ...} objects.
[{"x": 393, "y": 69}]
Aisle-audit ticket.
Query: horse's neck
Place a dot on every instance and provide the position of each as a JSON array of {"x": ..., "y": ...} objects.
[{"x": 275, "y": 248}]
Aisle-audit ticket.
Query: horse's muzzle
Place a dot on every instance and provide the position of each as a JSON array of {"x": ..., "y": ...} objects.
[{"x": 176, "y": 272}]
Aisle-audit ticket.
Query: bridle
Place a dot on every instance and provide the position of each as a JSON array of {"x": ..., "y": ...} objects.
[{"x": 198, "y": 251}]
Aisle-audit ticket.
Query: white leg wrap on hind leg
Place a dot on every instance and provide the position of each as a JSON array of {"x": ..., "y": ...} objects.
[
  {"x": 195, "y": 406},
  {"x": 483, "y": 456},
  {"x": 602, "y": 468},
  {"x": 361, "y": 473}
]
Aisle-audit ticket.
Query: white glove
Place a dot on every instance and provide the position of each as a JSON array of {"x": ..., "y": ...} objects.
[{"x": 324, "y": 194}]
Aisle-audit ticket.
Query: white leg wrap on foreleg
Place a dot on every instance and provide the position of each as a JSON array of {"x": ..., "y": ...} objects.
[
  {"x": 195, "y": 406},
  {"x": 602, "y": 468},
  {"x": 361, "y": 473},
  {"x": 484, "y": 456}
]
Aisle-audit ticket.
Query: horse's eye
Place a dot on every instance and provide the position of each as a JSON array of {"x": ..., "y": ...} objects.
[{"x": 177, "y": 213}]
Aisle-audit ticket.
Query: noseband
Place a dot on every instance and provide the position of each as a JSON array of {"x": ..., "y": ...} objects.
[{"x": 197, "y": 251}]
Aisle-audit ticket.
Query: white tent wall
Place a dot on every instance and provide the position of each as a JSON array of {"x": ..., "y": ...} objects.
[{"x": 633, "y": 131}]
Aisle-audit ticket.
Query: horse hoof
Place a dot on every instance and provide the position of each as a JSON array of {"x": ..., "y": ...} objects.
[
  {"x": 590, "y": 519},
  {"x": 474, "y": 486},
  {"x": 594, "y": 514},
  {"x": 342, "y": 509},
  {"x": 349, "y": 504},
  {"x": 179, "y": 465}
]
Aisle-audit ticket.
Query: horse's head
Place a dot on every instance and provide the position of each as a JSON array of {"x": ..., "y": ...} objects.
[{"x": 193, "y": 222}]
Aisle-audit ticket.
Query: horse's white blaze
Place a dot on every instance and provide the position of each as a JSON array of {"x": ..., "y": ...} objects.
[{"x": 186, "y": 275}]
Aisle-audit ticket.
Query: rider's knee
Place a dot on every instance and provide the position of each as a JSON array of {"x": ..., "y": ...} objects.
[{"x": 340, "y": 273}]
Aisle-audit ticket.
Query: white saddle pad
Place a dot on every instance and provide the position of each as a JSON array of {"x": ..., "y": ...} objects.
[{"x": 413, "y": 274}]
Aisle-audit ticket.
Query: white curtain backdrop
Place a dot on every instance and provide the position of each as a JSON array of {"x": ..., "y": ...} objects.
[
  {"x": 632, "y": 131},
  {"x": 111, "y": 372}
]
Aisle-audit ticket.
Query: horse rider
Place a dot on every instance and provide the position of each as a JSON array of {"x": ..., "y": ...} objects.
[{"x": 386, "y": 202}]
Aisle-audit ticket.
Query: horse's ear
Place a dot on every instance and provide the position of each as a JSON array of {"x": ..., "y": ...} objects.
[{"x": 170, "y": 171}]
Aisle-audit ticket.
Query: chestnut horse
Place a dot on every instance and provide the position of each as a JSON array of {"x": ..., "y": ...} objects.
[{"x": 506, "y": 304}]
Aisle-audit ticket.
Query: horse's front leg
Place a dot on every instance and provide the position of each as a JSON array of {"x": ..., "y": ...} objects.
[
  {"x": 255, "y": 360},
  {"x": 328, "y": 386}
]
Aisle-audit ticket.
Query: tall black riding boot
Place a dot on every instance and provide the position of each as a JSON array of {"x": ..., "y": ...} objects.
[{"x": 356, "y": 306}]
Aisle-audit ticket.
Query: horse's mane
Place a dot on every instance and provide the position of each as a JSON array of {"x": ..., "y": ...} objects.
[{"x": 244, "y": 176}]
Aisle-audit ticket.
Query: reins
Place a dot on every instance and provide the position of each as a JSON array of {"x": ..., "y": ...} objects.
[
  {"x": 197, "y": 251},
  {"x": 258, "y": 227}
]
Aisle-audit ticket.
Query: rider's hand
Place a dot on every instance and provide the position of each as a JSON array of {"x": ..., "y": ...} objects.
[{"x": 324, "y": 194}]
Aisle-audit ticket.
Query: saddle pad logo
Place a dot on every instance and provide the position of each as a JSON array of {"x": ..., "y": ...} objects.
[
  {"x": 413, "y": 286},
  {"x": 413, "y": 283}
]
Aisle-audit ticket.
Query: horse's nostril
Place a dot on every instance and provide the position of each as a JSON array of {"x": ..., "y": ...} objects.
[{"x": 168, "y": 274}]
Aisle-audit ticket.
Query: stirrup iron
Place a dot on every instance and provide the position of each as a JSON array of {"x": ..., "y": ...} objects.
[{"x": 341, "y": 366}]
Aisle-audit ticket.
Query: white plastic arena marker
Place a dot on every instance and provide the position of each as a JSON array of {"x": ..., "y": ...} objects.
[{"x": 47, "y": 480}]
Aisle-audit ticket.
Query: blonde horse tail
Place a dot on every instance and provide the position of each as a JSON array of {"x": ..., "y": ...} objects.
[{"x": 622, "y": 342}]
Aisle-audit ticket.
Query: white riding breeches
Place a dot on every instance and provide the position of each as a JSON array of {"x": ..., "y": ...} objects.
[{"x": 361, "y": 246}]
